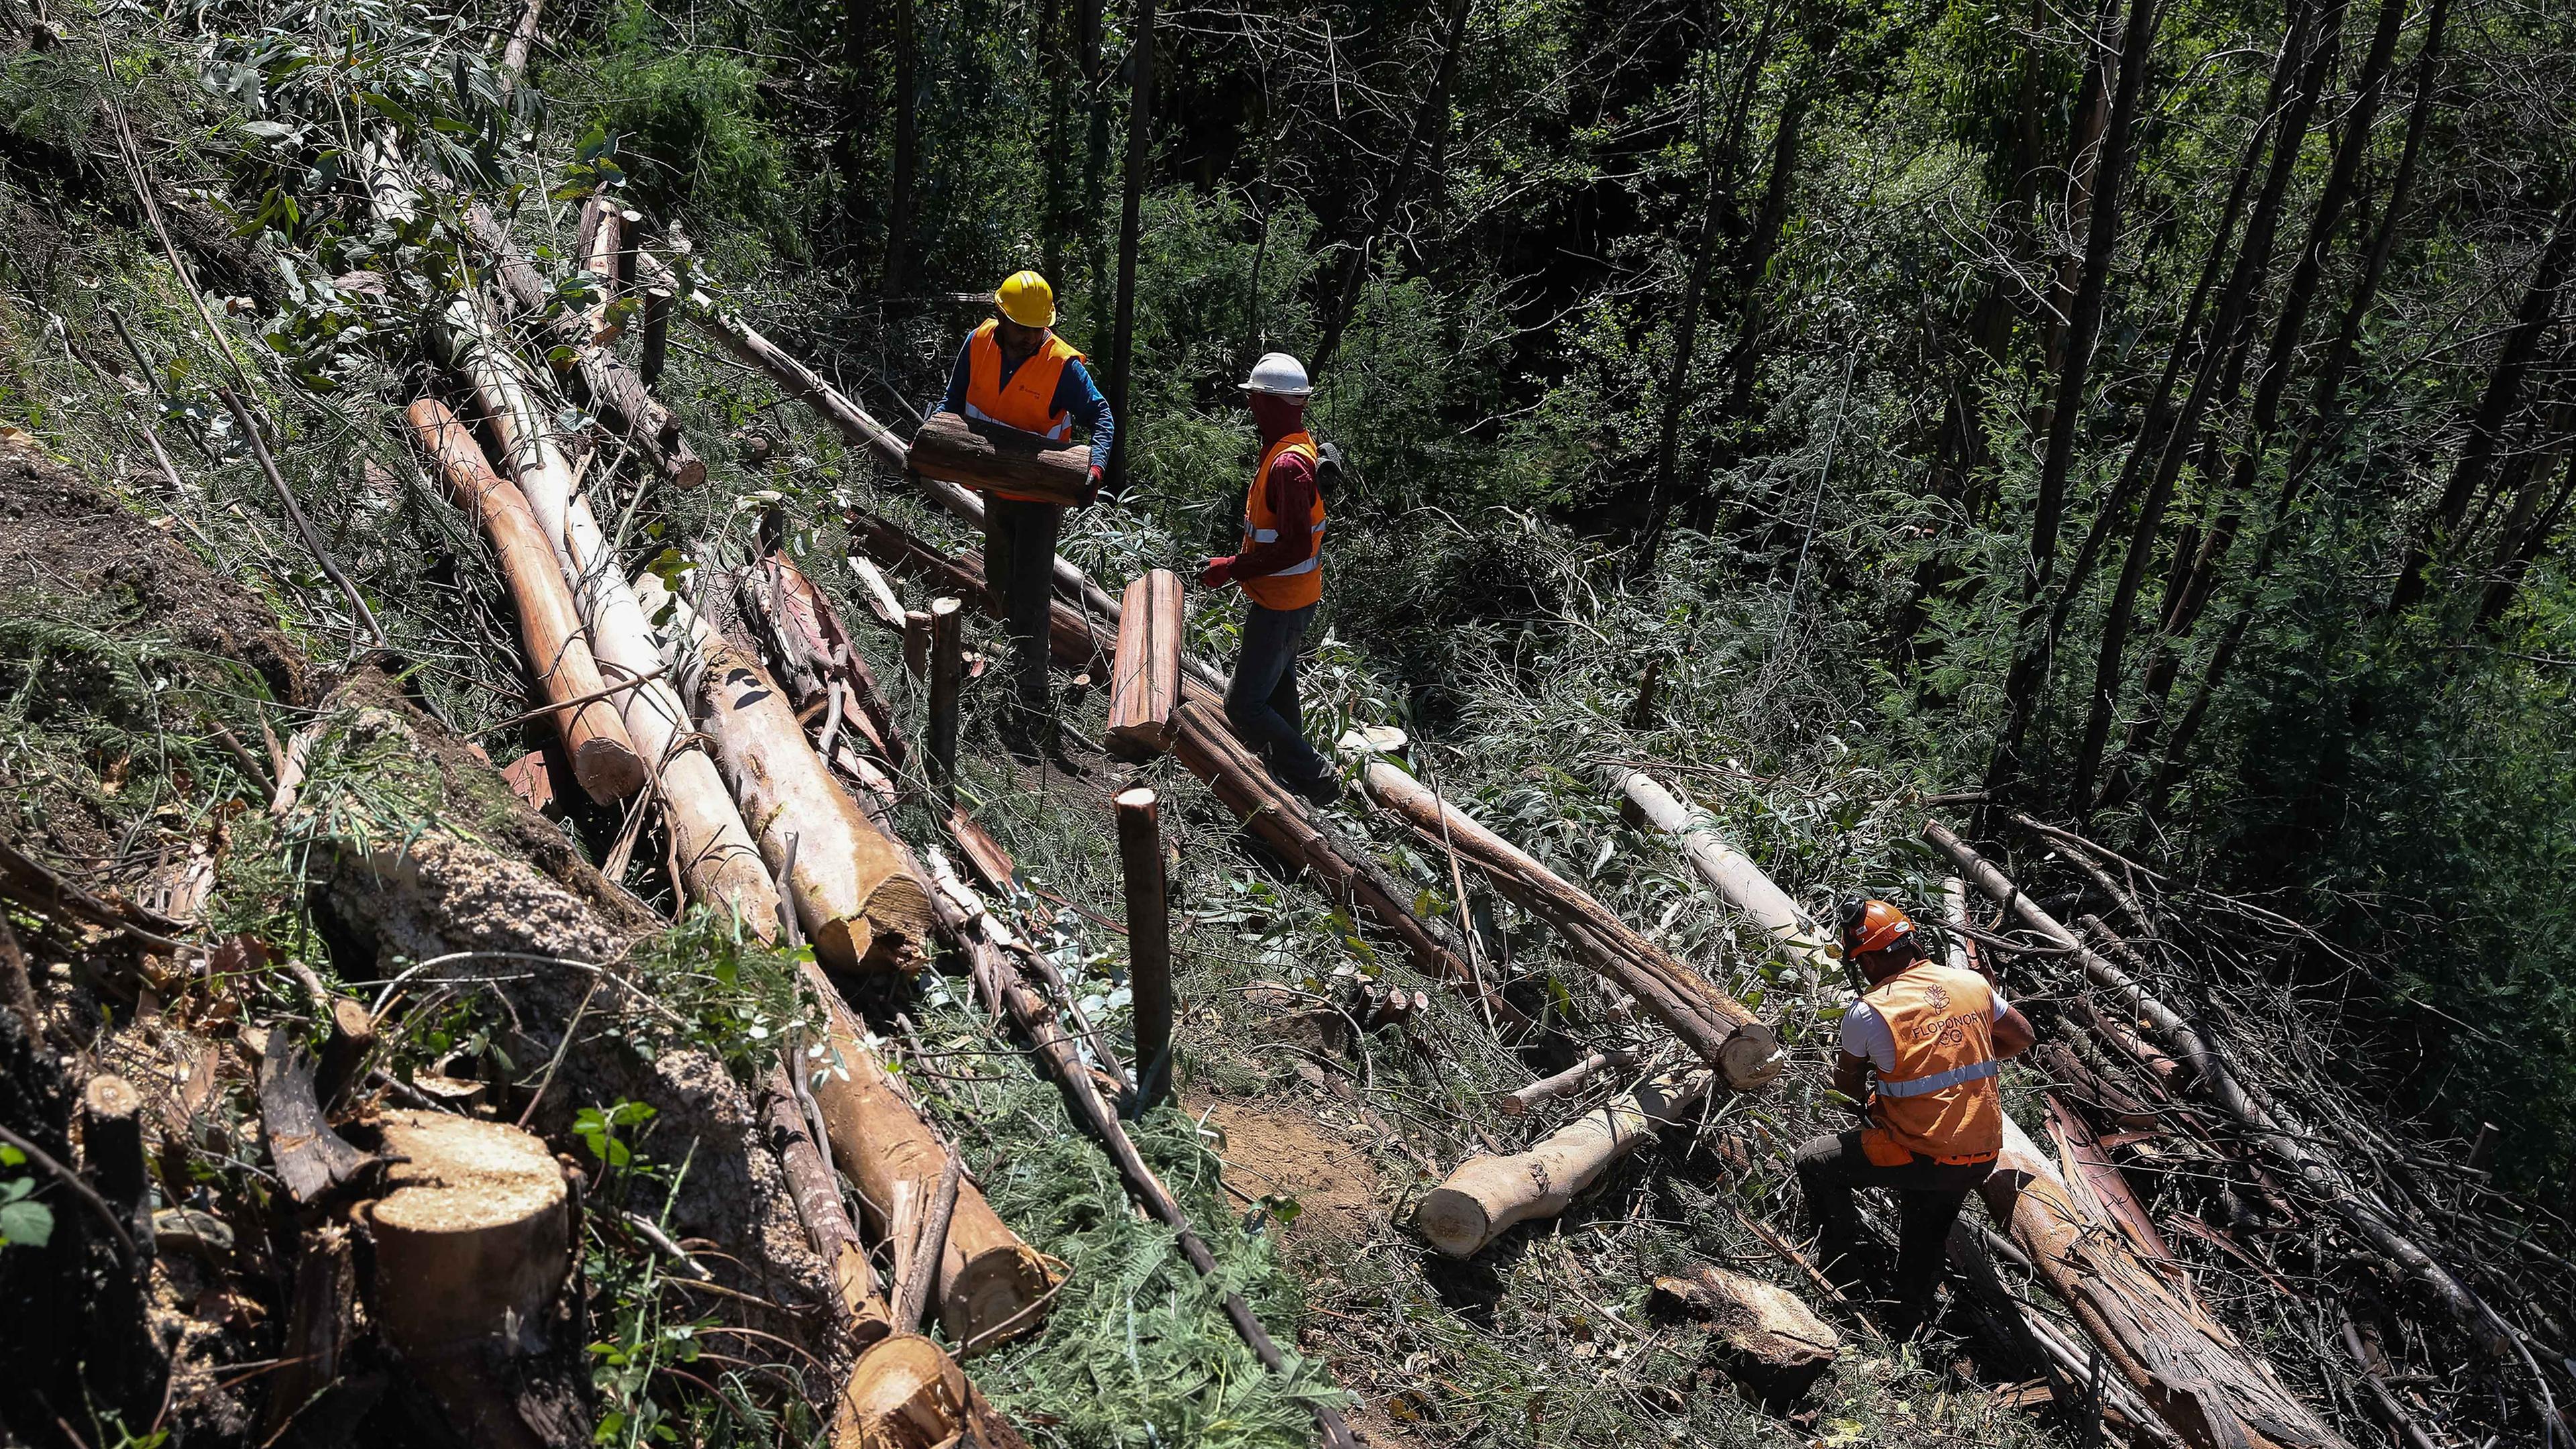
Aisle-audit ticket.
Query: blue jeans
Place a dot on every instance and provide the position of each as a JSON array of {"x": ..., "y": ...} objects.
[{"x": 1262, "y": 702}]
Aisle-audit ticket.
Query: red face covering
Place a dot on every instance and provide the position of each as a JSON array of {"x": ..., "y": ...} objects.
[{"x": 1277, "y": 416}]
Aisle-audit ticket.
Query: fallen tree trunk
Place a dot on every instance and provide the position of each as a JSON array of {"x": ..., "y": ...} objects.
[
  {"x": 1745, "y": 1052},
  {"x": 2216, "y": 1080},
  {"x": 815, "y": 647},
  {"x": 1343, "y": 871},
  {"x": 1485, "y": 1196},
  {"x": 1145, "y": 673},
  {"x": 992, "y": 1286},
  {"x": 1735, "y": 877},
  {"x": 858, "y": 1305},
  {"x": 615, "y": 388},
  {"x": 1518, "y": 1101},
  {"x": 718, "y": 860},
  {"x": 990, "y": 947},
  {"x": 989, "y": 457},
  {"x": 853, "y": 897},
  {"x": 603, "y": 759}
]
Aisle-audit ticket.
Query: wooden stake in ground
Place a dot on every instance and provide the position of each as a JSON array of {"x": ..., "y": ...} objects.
[
  {"x": 987, "y": 455},
  {"x": 603, "y": 759},
  {"x": 855, "y": 901},
  {"x": 1149, "y": 942},
  {"x": 1485, "y": 1196},
  {"x": 1711, "y": 1023},
  {"x": 1145, "y": 673},
  {"x": 947, "y": 675},
  {"x": 472, "y": 1245}
]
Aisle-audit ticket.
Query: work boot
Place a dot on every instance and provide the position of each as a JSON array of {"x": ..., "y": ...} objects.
[
  {"x": 1321, "y": 791},
  {"x": 1028, "y": 734}
]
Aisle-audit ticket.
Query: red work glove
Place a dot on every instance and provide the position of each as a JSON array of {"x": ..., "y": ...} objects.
[
  {"x": 1095, "y": 477},
  {"x": 1216, "y": 573}
]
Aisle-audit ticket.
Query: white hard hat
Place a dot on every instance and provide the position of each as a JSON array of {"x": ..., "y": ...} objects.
[{"x": 1279, "y": 374}]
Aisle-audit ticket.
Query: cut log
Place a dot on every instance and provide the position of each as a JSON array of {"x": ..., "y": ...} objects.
[
  {"x": 614, "y": 388},
  {"x": 1769, "y": 1341},
  {"x": 1745, "y": 1052},
  {"x": 854, "y": 900},
  {"x": 991, "y": 457},
  {"x": 310, "y": 1158},
  {"x": 947, "y": 675},
  {"x": 1149, "y": 941},
  {"x": 1518, "y": 1101},
  {"x": 1734, "y": 876},
  {"x": 1145, "y": 673},
  {"x": 1485, "y": 1196},
  {"x": 858, "y": 1306},
  {"x": 603, "y": 759},
  {"x": 907, "y": 1393},
  {"x": 719, "y": 863},
  {"x": 596, "y": 246},
  {"x": 2215, "y": 1080},
  {"x": 1343, "y": 871},
  {"x": 472, "y": 1246},
  {"x": 992, "y": 1286}
]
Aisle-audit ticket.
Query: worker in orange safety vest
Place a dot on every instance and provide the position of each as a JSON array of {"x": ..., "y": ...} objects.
[
  {"x": 1934, "y": 1039},
  {"x": 1015, "y": 371},
  {"x": 1280, "y": 568}
]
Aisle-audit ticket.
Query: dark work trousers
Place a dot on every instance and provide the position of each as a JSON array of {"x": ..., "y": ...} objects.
[
  {"x": 1019, "y": 572},
  {"x": 1262, "y": 702},
  {"x": 1928, "y": 1198}
]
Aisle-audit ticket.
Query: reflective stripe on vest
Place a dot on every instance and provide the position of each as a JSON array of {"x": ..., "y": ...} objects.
[
  {"x": 1299, "y": 584},
  {"x": 1027, "y": 400},
  {"x": 1939, "y": 1099}
]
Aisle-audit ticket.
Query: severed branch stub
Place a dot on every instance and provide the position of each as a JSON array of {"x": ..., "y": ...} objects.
[{"x": 310, "y": 1158}]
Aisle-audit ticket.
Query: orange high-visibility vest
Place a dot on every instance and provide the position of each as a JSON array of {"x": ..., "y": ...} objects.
[
  {"x": 1301, "y": 584},
  {"x": 1027, "y": 401},
  {"x": 1941, "y": 1100}
]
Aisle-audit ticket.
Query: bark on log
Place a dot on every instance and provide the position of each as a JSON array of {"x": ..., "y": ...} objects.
[
  {"x": 718, "y": 860},
  {"x": 616, "y": 389},
  {"x": 992, "y": 1286},
  {"x": 1343, "y": 871},
  {"x": 472, "y": 1246},
  {"x": 603, "y": 759},
  {"x": 858, "y": 1305},
  {"x": 1487, "y": 1195},
  {"x": 596, "y": 246},
  {"x": 2214, "y": 1079},
  {"x": 344, "y": 1054},
  {"x": 947, "y": 675},
  {"x": 989, "y": 456},
  {"x": 1773, "y": 1344},
  {"x": 814, "y": 649},
  {"x": 319, "y": 1321},
  {"x": 310, "y": 1158},
  {"x": 855, "y": 901},
  {"x": 1711, "y": 1023},
  {"x": 1735, "y": 877},
  {"x": 1145, "y": 673}
]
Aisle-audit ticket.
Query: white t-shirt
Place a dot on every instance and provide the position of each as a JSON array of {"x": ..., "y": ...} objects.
[{"x": 1866, "y": 1034}]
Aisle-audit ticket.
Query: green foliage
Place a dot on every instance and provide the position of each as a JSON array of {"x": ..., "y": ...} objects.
[
  {"x": 23, "y": 1223},
  {"x": 690, "y": 128}
]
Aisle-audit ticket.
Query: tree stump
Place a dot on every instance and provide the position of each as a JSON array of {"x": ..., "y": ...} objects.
[{"x": 1763, "y": 1336}]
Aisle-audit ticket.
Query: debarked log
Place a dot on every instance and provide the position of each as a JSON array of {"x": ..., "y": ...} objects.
[{"x": 1486, "y": 1195}]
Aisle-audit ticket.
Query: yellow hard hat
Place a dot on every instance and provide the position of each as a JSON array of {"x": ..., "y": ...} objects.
[{"x": 1026, "y": 298}]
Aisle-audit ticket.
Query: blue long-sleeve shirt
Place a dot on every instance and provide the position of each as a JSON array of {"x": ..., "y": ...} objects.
[{"x": 1075, "y": 393}]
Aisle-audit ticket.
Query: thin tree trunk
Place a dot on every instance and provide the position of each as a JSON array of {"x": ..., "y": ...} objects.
[
  {"x": 1685, "y": 343},
  {"x": 1095, "y": 176},
  {"x": 2324, "y": 412},
  {"x": 907, "y": 147},
  {"x": 1428, "y": 119},
  {"x": 1760, "y": 248},
  {"x": 857, "y": 121},
  {"x": 2235, "y": 304},
  {"x": 2519, "y": 548},
  {"x": 1140, "y": 159},
  {"x": 2022, "y": 686},
  {"x": 1056, "y": 64},
  {"x": 2496, "y": 406}
]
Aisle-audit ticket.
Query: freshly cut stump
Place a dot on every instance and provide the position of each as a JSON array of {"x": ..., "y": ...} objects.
[
  {"x": 474, "y": 1240},
  {"x": 905, "y": 1392},
  {"x": 1768, "y": 1341}
]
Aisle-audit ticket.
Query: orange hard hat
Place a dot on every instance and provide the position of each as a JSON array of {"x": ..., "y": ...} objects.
[{"x": 1874, "y": 926}]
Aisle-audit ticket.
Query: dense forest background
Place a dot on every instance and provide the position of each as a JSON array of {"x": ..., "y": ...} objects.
[{"x": 2158, "y": 415}]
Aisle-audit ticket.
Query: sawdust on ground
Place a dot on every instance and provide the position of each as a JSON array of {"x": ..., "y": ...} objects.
[{"x": 1282, "y": 1151}]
